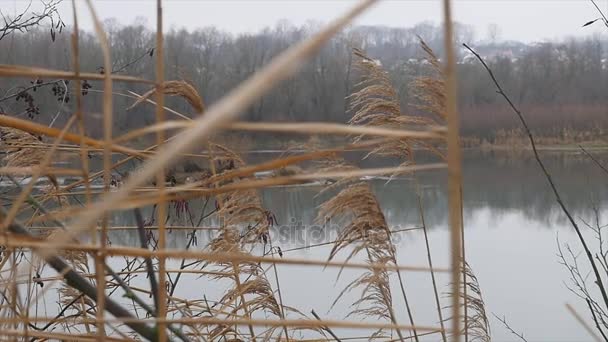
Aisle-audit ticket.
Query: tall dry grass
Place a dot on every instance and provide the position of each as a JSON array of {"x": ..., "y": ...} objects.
[{"x": 98, "y": 302}]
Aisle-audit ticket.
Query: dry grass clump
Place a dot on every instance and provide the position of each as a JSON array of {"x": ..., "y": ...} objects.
[
  {"x": 22, "y": 149},
  {"x": 176, "y": 88},
  {"x": 475, "y": 323},
  {"x": 249, "y": 305}
]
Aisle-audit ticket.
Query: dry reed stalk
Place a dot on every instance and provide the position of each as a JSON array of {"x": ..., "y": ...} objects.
[
  {"x": 25, "y": 279},
  {"x": 301, "y": 323},
  {"x": 14, "y": 241},
  {"x": 277, "y": 163},
  {"x": 137, "y": 96},
  {"x": 429, "y": 133},
  {"x": 222, "y": 112},
  {"x": 72, "y": 277},
  {"x": 100, "y": 257},
  {"x": 56, "y": 336},
  {"x": 84, "y": 155},
  {"x": 189, "y": 191},
  {"x": 430, "y": 261},
  {"x": 35, "y": 72},
  {"x": 37, "y": 129},
  {"x": 430, "y": 94},
  {"x": 160, "y": 174},
  {"x": 454, "y": 160},
  {"x": 176, "y": 88},
  {"x": 465, "y": 275},
  {"x": 100, "y": 173},
  {"x": 29, "y": 170},
  {"x": 432, "y": 131}
]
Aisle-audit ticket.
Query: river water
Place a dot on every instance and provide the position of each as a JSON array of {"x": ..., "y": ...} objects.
[{"x": 512, "y": 225}]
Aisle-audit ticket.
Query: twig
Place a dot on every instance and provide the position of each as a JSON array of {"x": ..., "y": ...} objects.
[
  {"x": 594, "y": 159},
  {"x": 604, "y": 19},
  {"x": 19, "y": 23},
  {"x": 51, "y": 322},
  {"x": 128, "y": 64},
  {"x": 326, "y": 328},
  {"x": 503, "y": 320},
  {"x": 116, "y": 277},
  {"x": 21, "y": 90},
  {"x": 131, "y": 295},
  {"x": 74, "y": 280},
  {"x": 150, "y": 268},
  {"x": 598, "y": 278},
  {"x": 597, "y": 324}
]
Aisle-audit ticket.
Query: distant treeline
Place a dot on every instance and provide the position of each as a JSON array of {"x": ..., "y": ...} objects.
[{"x": 561, "y": 86}]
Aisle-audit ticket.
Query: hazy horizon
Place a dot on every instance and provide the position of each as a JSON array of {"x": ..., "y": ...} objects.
[{"x": 520, "y": 20}]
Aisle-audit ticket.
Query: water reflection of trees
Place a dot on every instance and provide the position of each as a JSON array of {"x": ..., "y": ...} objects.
[{"x": 500, "y": 182}]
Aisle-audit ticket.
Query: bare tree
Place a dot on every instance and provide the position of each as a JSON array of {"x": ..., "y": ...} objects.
[{"x": 28, "y": 19}]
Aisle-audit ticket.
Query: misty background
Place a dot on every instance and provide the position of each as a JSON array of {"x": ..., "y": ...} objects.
[{"x": 558, "y": 81}]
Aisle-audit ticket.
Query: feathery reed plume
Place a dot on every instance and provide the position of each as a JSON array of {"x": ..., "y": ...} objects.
[
  {"x": 364, "y": 230},
  {"x": 240, "y": 208},
  {"x": 176, "y": 88},
  {"x": 429, "y": 90},
  {"x": 375, "y": 102},
  {"x": 477, "y": 323},
  {"x": 249, "y": 284},
  {"x": 367, "y": 226},
  {"x": 15, "y": 142}
]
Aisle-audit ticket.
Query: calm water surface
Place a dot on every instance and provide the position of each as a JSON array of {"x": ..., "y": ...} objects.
[{"x": 511, "y": 221}]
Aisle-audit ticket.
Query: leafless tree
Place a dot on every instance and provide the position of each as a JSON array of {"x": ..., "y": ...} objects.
[{"x": 28, "y": 19}]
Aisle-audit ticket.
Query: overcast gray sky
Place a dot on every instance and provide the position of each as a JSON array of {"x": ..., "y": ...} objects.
[{"x": 525, "y": 20}]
